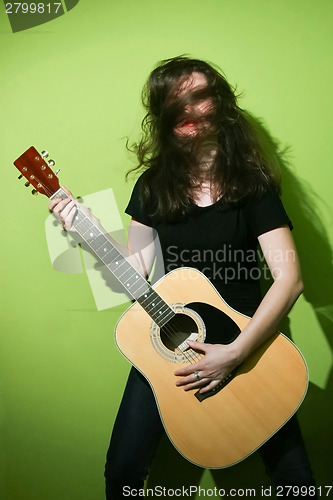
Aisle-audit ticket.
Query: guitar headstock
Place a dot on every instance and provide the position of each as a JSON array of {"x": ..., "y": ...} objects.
[{"x": 38, "y": 172}]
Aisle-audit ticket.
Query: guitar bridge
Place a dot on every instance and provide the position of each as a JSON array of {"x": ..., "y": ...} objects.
[
  {"x": 201, "y": 397},
  {"x": 184, "y": 345}
]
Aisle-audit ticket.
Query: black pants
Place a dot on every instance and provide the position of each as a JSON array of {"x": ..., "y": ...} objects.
[{"x": 138, "y": 429}]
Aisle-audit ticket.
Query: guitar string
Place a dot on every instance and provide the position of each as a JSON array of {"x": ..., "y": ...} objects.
[
  {"x": 170, "y": 330},
  {"x": 190, "y": 354}
]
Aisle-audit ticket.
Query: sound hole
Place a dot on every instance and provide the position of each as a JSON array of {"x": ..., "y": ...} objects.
[{"x": 177, "y": 330}]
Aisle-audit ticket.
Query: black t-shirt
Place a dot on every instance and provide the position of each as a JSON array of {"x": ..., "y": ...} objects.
[{"x": 221, "y": 241}]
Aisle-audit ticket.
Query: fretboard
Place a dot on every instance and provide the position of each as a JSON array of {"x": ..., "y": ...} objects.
[{"x": 134, "y": 283}]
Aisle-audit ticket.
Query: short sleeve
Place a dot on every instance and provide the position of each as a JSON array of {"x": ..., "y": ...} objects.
[
  {"x": 135, "y": 207},
  {"x": 266, "y": 212}
]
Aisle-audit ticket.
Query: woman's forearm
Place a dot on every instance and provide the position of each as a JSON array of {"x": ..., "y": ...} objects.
[{"x": 275, "y": 305}]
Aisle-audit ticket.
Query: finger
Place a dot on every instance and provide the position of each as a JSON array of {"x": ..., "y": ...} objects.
[
  {"x": 60, "y": 205},
  {"x": 183, "y": 372},
  {"x": 200, "y": 384},
  {"x": 67, "y": 215},
  {"x": 67, "y": 191},
  {"x": 189, "y": 369},
  {"x": 192, "y": 378},
  {"x": 67, "y": 208},
  {"x": 197, "y": 346},
  {"x": 61, "y": 211},
  {"x": 211, "y": 385},
  {"x": 70, "y": 218},
  {"x": 53, "y": 203},
  {"x": 186, "y": 381}
]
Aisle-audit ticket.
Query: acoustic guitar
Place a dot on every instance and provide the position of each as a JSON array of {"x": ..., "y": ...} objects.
[{"x": 216, "y": 429}]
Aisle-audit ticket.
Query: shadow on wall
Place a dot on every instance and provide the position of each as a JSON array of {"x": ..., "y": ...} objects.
[{"x": 169, "y": 468}]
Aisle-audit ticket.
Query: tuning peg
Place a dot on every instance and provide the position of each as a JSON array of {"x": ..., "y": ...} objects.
[
  {"x": 51, "y": 163},
  {"x": 34, "y": 192},
  {"x": 44, "y": 154},
  {"x": 27, "y": 184},
  {"x": 57, "y": 171},
  {"x": 20, "y": 176}
]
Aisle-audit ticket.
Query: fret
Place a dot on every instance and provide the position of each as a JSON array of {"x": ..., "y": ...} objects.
[
  {"x": 155, "y": 306},
  {"x": 149, "y": 298},
  {"x": 95, "y": 242},
  {"x": 142, "y": 286},
  {"x": 167, "y": 315},
  {"x": 124, "y": 273},
  {"x": 90, "y": 232},
  {"x": 111, "y": 256},
  {"x": 79, "y": 217},
  {"x": 59, "y": 194},
  {"x": 120, "y": 269},
  {"x": 83, "y": 225},
  {"x": 104, "y": 250}
]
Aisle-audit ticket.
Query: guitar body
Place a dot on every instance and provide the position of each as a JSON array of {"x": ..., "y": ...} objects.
[{"x": 231, "y": 423}]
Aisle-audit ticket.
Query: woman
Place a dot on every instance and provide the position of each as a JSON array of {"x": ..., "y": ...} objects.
[{"x": 212, "y": 197}]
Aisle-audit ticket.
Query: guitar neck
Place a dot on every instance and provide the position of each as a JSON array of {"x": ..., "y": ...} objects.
[{"x": 133, "y": 282}]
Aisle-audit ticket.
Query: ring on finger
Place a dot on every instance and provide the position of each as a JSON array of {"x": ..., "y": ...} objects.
[{"x": 197, "y": 376}]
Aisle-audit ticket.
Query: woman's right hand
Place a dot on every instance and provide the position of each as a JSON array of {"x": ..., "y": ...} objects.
[{"x": 64, "y": 209}]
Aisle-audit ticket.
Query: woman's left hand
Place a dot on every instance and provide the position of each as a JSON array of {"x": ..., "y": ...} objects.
[{"x": 216, "y": 364}]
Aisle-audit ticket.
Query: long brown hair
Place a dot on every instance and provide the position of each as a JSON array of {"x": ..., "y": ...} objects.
[{"x": 172, "y": 163}]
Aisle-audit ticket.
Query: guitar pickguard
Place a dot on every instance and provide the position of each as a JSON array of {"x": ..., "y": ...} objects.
[
  {"x": 194, "y": 321},
  {"x": 220, "y": 328}
]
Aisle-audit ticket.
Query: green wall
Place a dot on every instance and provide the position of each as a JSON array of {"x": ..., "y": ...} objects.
[{"x": 73, "y": 86}]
